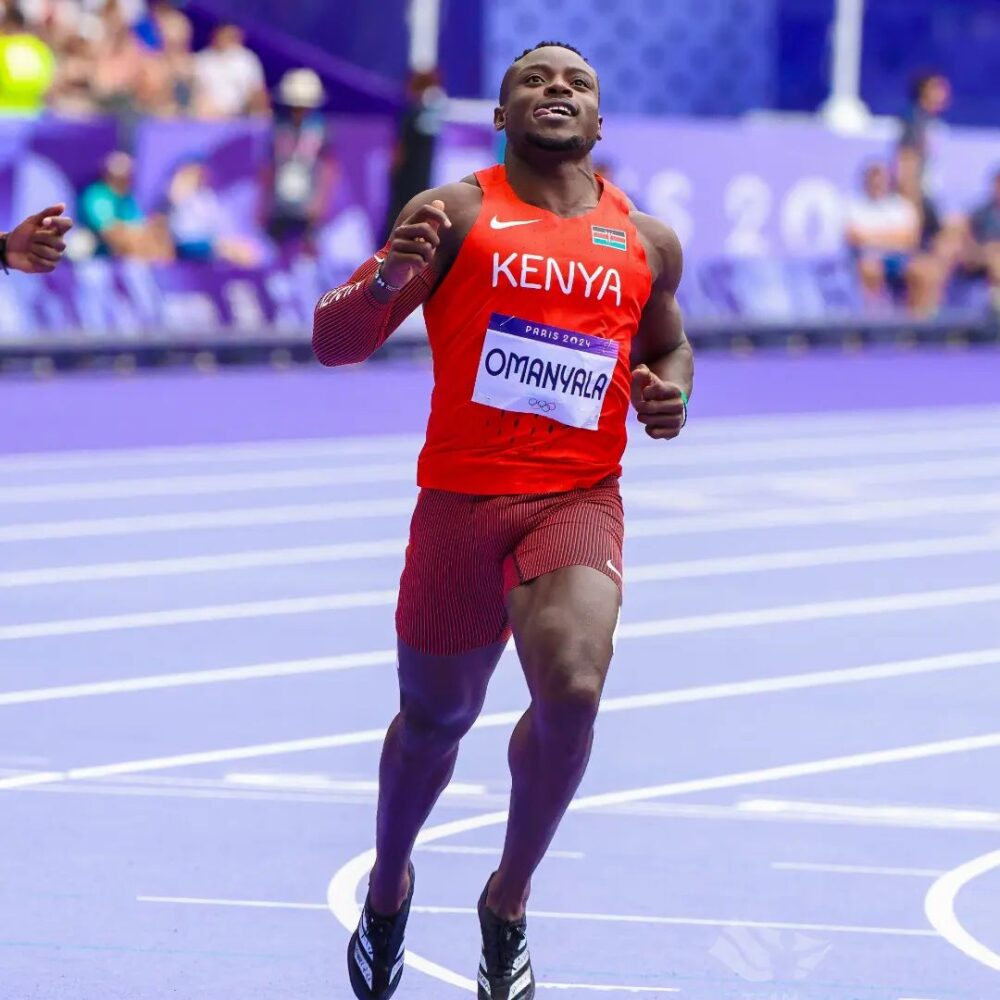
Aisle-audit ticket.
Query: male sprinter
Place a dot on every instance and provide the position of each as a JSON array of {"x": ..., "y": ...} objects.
[
  {"x": 37, "y": 244},
  {"x": 549, "y": 300}
]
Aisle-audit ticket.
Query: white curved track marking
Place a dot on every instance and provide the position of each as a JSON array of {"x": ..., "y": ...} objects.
[
  {"x": 343, "y": 888},
  {"x": 939, "y": 905}
]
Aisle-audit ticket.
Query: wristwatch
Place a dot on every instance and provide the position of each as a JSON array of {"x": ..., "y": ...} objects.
[{"x": 3, "y": 253}]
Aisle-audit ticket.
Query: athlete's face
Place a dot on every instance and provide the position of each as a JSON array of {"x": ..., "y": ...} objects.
[{"x": 549, "y": 100}]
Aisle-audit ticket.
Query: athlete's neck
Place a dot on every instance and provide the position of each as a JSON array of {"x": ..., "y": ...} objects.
[{"x": 566, "y": 187}]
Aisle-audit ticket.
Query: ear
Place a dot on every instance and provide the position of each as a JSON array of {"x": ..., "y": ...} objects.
[
  {"x": 600, "y": 128},
  {"x": 498, "y": 119}
]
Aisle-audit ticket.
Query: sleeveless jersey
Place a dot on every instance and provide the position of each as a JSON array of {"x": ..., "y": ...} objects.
[{"x": 531, "y": 332}]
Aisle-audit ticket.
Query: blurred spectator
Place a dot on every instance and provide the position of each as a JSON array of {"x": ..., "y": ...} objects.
[
  {"x": 199, "y": 224},
  {"x": 299, "y": 181},
  {"x": 883, "y": 230},
  {"x": 27, "y": 65},
  {"x": 119, "y": 66},
  {"x": 73, "y": 90},
  {"x": 109, "y": 208},
  {"x": 169, "y": 79},
  {"x": 229, "y": 78},
  {"x": 419, "y": 128},
  {"x": 983, "y": 255},
  {"x": 930, "y": 97}
]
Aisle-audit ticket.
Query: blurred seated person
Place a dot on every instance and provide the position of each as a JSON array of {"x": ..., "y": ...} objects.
[
  {"x": 229, "y": 78},
  {"x": 298, "y": 182},
  {"x": 883, "y": 230},
  {"x": 110, "y": 210},
  {"x": 27, "y": 66},
  {"x": 983, "y": 254},
  {"x": 199, "y": 223}
]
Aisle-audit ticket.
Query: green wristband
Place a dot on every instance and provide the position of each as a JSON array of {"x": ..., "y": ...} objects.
[{"x": 684, "y": 397}]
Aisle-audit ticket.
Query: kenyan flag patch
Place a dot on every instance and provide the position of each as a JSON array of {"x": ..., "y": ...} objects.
[{"x": 614, "y": 238}]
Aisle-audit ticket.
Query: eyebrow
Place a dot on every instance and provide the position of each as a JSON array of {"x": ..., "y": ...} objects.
[{"x": 547, "y": 66}]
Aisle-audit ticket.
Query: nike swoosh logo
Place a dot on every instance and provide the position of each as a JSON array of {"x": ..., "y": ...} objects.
[
  {"x": 611, "y": 566},
  {"x": 495, "y": 223}
]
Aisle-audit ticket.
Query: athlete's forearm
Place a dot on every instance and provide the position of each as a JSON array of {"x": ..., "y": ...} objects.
[
  {"x": 676, "y": 366},
  {"x": 352, "y": 322}
]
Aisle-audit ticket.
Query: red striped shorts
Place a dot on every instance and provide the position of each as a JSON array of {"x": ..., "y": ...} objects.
[{"x": 466, "y": 553}]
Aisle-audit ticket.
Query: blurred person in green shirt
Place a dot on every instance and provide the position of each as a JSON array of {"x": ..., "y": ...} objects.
[{"x": 110, "y": 210}]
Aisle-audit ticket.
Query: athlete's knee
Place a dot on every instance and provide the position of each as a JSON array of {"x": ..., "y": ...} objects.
[
  {"x": 437, "y": 727},
  {"x": 567, "y": 682}
]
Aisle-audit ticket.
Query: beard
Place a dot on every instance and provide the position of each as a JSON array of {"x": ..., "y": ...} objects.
[{"x": 553, "y": 144}]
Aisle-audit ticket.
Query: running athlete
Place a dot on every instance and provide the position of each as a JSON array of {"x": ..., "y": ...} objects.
[
  {"x": 37, "y": 244},
  {"x": 549, "y": 303}
]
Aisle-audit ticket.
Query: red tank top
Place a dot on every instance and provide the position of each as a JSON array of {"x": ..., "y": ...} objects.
[{"x": 531, "y": 331}]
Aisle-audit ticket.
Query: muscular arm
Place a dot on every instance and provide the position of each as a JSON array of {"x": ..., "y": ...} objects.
[
  {"x": 660, "y": 343},
  {"x": 350, "y": 323},
  {"x": 353, "y": 321}
]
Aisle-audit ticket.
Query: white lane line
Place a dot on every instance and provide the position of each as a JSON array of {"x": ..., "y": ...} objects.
[
  {"x": 322, "y": 782},
  {"x": 813, "y": 611},
  {"x": 836, "y": 555},
  {"x": 221, "y": 453},
  {"x": 599, "y": 918},
  {"x": 939, "y": 905},
  {"x": 248, "y": 904},
  {"x": 195, "y": 678},
  {"x": 933, "y": 419},
  {"x": 200, "y": 614},
  {"x": 224, "y": 562},
  {"x": 804, "y": 866},
  {"x": 343, "y": 888},
  {"x": 386, "y": 657},
  {"x": 689, "y": 524},
  {"x": 492, "y": 852},
  {"x": 733, "y": 813},
  {"x": 244, "y": 482},
  {"x": 233, "y": 517},
  {"x": 936, "y": 816},
  {"x": 693, "y": 452},
  {"x": 203, "y": 485},
  {"x": 620, "y": 918},
  {"x": 627, "y": 703},
  {"x": 608, "y": 988}
]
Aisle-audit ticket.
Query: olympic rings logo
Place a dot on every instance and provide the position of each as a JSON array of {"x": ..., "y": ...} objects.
[{"x": 545, "y": 405}]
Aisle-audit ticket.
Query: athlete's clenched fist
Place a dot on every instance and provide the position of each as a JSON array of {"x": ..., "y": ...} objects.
[
  {"x": 660, "y": 404},
  {"x": 414, "y": 243}
]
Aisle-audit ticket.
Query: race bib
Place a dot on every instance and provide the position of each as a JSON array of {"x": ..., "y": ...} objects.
[{"x": 559, "y": 374}]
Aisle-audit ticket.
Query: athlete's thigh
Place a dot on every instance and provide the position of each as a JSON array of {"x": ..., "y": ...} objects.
[
  {"x": 451, "y": 594},
  {"x": 564, "y": 624}
]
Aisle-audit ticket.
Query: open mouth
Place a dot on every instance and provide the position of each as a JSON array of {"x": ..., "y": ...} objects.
[{"x": 553, "y": 110}]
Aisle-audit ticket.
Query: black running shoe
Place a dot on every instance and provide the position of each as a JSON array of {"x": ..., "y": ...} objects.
[
  {"x": 376, "y": 952},
  {"x": 505, "y": 965}
]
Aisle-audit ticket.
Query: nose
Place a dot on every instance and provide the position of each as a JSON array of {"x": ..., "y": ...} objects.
[{"x": 558, "y": 89}]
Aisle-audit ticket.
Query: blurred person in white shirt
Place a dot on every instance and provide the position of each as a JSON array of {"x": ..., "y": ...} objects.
[
  {"x": 883, "y": 231},
  {"x": 229, "y": 78}
]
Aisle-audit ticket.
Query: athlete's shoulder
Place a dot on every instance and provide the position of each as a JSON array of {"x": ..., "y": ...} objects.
[{"x": 663, "y": 248}]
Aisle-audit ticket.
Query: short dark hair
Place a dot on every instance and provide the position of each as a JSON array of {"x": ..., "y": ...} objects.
[
  {"x": 921, "y": 81},
  {"x": 527, "y": 52}
]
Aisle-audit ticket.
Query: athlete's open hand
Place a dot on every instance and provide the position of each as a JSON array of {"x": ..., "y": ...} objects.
[
  {"x": 415, "y": 241},
  {"x": 660, "y": 404},
  {"x": 37, "y": 245}
]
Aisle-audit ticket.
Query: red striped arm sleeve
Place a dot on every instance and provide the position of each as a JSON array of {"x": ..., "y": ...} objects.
[{"x": 350, "y": 324}]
